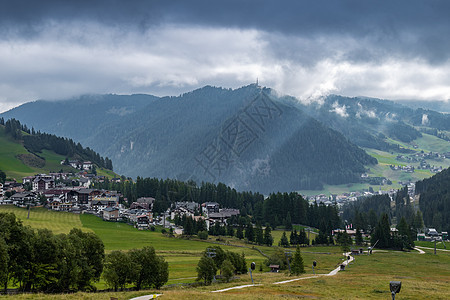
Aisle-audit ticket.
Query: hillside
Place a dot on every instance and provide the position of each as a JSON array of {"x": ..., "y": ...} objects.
[
  {"x": 434, "y": 200},
  {"x": 245, "y": 138},
  {"x": 17, "y": 162}
]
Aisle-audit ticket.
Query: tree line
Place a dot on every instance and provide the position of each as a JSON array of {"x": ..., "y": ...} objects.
[
  {"x": 35, "y": 142},
  {"x": 40, "y": 261},
  {"x": 278, "y": 209}
]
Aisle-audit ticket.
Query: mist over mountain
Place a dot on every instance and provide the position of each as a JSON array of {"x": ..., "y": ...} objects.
[
  {"x": 247, "y": 137},
  {"x": 368, "y": 122}
]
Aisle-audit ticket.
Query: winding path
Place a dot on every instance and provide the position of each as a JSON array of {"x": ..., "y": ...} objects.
[{"x": 332, "y": 273}]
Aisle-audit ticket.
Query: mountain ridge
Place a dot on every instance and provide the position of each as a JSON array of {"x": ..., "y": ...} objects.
[{"x": 170, "y": 137}]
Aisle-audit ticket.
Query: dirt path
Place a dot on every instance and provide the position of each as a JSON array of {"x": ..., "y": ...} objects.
[
  {"x": 332, "y": 273},
  {"x": 427, "y": 248}
]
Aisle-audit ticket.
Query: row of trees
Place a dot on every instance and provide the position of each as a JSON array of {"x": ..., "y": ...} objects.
[
  {"x": 39, "y": 261},
  {"x": 35, "y": 142},
  {"x": 141, "y": 267},
  {"x": 240, "y": 227}
]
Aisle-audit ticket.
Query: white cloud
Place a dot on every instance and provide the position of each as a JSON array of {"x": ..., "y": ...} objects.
[
  {"x": 365, "y": 112},
  {"x": 425, "y": 119},
  {"x": 339, "y": 110}
]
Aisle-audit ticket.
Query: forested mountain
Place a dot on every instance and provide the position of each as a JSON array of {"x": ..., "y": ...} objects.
[
  {"x": 434, "y": 200},
  {"x": 367, "y": 121},
  {"x": 247, "y": 138}
]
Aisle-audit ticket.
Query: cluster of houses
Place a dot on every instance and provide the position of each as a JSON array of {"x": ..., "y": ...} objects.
[
  {"x": 432, "y": 234},
  {"x": 47, "y": 190},
  {"x": 208, "y": 211},
  {"x": 423, "y": 164},
  {"x": 406, "y": 169},
  {"x": 81, "y": 165},
  {"x": 43, "y": 189}
]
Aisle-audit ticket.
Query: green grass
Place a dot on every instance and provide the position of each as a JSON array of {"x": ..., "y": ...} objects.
[
  {"x": 9, "y": 163},
  {"x": 58, "y": 222},
  {"x": 15, "y": 168},
  {"x": 424, "y": 276},
  {"x": 439, "y": 245}
]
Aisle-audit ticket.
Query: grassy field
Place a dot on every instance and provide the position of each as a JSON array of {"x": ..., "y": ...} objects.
[
  {"x": 15, "y": 168},
  {"x": 8, "y": 160},
  {"x": 425, "y": 276},
  {"x": 58, "y": 222}
]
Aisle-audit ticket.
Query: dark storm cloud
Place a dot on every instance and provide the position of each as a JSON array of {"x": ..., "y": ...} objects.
[
  {"x": 386, "y": 49},
  {"x": 405, "y": 28}
]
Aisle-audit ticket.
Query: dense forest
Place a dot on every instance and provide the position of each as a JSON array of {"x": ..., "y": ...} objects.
[
  {"x": 366, "y": 212},
  {"x": 35, "y": 142},
  {"x": 277, "y": 209},
  {"x": 434, "y": 200}
]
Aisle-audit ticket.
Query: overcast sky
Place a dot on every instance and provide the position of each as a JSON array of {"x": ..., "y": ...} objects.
[{"x": 386, "y": 49}]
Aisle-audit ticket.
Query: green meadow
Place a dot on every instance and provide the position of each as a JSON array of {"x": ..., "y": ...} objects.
[
  {"x": 11, "y": 150},
  {"x": 423, "y": 276}
]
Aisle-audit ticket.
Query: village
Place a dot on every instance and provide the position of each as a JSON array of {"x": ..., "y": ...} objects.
[{"x": 74, "y": 193}]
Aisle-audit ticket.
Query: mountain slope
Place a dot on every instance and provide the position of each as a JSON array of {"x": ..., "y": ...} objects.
[
  {"x": 434, "y": 200},
  {"x": 368, "y": 122},
  {"x": 17, "y": 161},
  {"x": 246, "y": 138}
]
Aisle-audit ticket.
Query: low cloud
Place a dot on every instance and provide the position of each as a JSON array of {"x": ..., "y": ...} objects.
[{"x": 339, "y": 110}]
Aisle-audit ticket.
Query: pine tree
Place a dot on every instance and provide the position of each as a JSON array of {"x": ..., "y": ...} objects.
[
  {"x": 358, "y": 237},
  {"x": 284, "y": 240},
  {"x": 288, "y": 222},
  {"x": 297, "y": 266},
  {"x": 250, "y": 233},
  {"x": 240, "y": 233},
  {"x": 259, "y": 235},
  {"x": 268, "y": 239}
]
